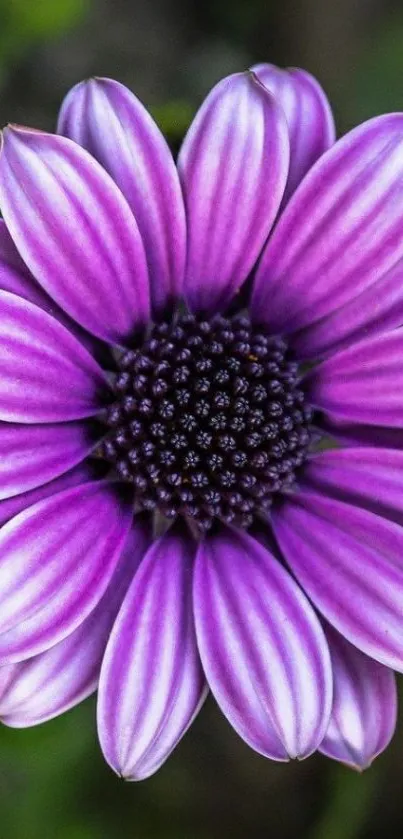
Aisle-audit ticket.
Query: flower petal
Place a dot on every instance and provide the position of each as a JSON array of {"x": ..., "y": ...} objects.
[
  {"x": 31, "y": 455},
  {"x": 10, "y": 507},
  {"x": 50, "y": 683},
  {"x": 377, "y": 309},
  {"x": 371, "y": 478},
  {"x": 233, "y": 165},
  {"x": 361, "y": 435},
  {"x": 15, "y": 277},
  {"x": 14, "y": 274},
  {"x": 151, "y": 684},
  {"x": 57, "y": 558},
  {"x": 104, "y": 117},
  {"x": 262, "y": 647},
  {"x": 45, "y": 374},
  {"x": 362, "y": 384},
  {"x": 349, "y": 562},
  {"x": 340, "y": 233},
  {"x": 309, "y": 117},
  {"x": 364, "y": 709},
  {"x": 75, "y": 232}
]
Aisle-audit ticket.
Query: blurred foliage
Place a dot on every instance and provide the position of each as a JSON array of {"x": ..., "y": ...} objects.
[
  {"x": 173, "y": 119},
  {"x": 377, "y": 84},
  {"x": 348, "y": 803},
  {"x": 26, "y": 22},
  {"x": 54, "y": 784}
]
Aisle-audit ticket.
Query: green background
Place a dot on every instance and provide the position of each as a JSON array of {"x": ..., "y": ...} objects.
[{"x": 53, "y": 781}]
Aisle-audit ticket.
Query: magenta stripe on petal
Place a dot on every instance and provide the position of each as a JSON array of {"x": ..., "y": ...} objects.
[
  {"x": 349, "y": 562},
  {"x": 340, "y": 232},
  {"x": 57, "y": 558},
  {"x": 352, "y": 434},
  {"x": 15, "y": 277},
  {"x": 309, "y": 117},
  {"x": 233, "y": 165},
  {"x": 151, "y": 683},
  {"x": 104, "y": 117},
  {"x": 10, "y": 507},
  {"x": 14, "y": 274},
  {"x": 369, "y": 477},
  {"x": 45, "y": 374},
  {"x": 362, "y": 384},
  {"x": 31, "y": 455},
  {"x": 377, "y": 309},
  {"x": 50, "y": 683},
  {"x": 75, "y": 232},
  {"x": 262, "y": 647},
  {"x": 364, "y": 709}
]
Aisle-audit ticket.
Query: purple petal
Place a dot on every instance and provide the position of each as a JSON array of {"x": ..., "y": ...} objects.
[
  {"x": 104, "y": 117},
  {"x": 45, "y": 374},
  {"x": 340, "y": 233},
  {"x": 151, "y": 683},
  {"x": 370, "y": 478},
  {"x": 364, "y": 710},
  {"x": 50, "y": 683},
  {"x": 75, "y": 232},
  {"x": 15, "y": 277},
  {"x": 14, "y": 274},
  {"x": 377, "y": 309},
  {"x": 57, "y": 559},
  {"x": 362, "y": 435},
  {"x": 309, "y": 117},
  {"x": 10, "y": 507},
  {"x": 362, "y": 384},
  {"x": 349, "y": 562},
  {"x": 31, "y": 455},
  {"x": 262, "y": 647},
  {"x": 233, "y": 165}
]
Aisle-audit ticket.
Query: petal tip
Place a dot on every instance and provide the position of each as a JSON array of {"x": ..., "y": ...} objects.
[
  {"x": 97, "y": 81},
  {"x": 14, "y": 128},
  {"x": 358, "y": 765},
  {"x": 257, "y": 83}
]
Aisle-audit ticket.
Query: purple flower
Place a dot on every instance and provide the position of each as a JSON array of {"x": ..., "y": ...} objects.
[{"x": 149, "y": 371}]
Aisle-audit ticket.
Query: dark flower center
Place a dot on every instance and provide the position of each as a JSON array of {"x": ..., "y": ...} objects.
[{"x": 209, "y": 420}]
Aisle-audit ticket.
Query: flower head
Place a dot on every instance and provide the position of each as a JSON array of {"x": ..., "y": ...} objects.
[{"x": 175, "y": 342}]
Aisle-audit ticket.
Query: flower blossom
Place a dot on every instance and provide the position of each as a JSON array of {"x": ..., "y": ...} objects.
[{"x": 177, "y": 343}]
